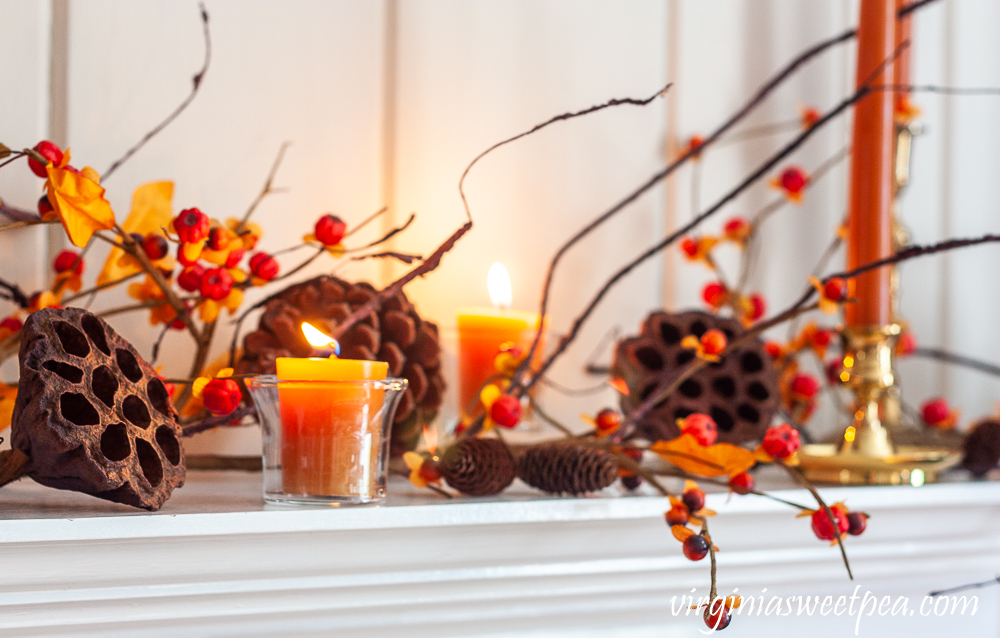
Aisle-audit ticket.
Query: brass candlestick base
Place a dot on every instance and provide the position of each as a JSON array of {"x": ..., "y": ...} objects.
[{"x": 865, "y": 455}]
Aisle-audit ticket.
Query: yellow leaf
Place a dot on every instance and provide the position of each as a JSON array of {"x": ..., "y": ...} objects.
[
  {"x": 681, "y": 532},
  {"x": 8, "y": 393},
  {"x": 209, "y": 310},
  {"x": 714, "y": 460},
  {"x": 199, "y": 386},
  {"x": 413, "y": 460},
  {"x": 151, "y": 212},
  {"x": 224, "y": 373},
  {"x": 489, "y": 394},
  {"x": 79, "y": 202}
]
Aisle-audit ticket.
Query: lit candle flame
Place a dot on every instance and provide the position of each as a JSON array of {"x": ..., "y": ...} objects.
[
  {"x": 318, "y": 339},
  {"x": 498, "y": 284}
]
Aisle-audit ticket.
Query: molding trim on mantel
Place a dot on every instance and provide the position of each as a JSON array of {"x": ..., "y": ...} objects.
[{"x": 454, "y": 568}]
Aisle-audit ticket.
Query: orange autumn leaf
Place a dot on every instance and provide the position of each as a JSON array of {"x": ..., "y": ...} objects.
[
  {"x": 681, "y": 532},
  {"x": 78, "y": 201},
  {"x": 7, "y": 395},
  {"x": 721, "y": 459},
  {"x": 151, "y": 213}
]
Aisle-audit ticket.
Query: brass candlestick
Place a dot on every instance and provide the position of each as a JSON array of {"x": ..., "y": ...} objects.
[{"x": 866, "y": 454}]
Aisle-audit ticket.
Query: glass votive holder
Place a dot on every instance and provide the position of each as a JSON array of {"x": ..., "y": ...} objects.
[{"x": 325, "y": 442}]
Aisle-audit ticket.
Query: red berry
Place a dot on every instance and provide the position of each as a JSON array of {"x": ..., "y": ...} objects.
[
  {"x": 49, "y": 151},
  {"x": 633, "y": 453},
  {"x": 68, "y": 260},
  {"x": 773, "y": 349},
  {"x": 264, "y": 266},
  {"x": 216, "y": 284},
  {"x": 833, "y": 371},
  {"x": 824, "y": 529},
  {"x": 694, "y": 498},
  {"x": 190, "y": 278},
  {"x": 714, "y": 294},
  {"x": 695, "y": 547},
  {"x": 835, "y": 289},
  {"x": 935, "y": 410},
  {"x": 155, "y": 246},
  {"x": 690, "y": 247},
  {"x": 330, "y": 230},
  {"x": 631, "y": 482},
  {"x": 608, "y": 421},
  {"x": 857, "y": 522},
  {"x": 506, "y": 411},
  {"x": 44, "y": 206},
  {"x": 702, "y": 427},
  {"x": 713, "y": 341},
  {"x": 717, "y": 615},
  {"x": 742, "y": 483},
  {"x": 677, "y": 515},
  {"x": 11, "y": 323},
  {"x": 758, "y": 306},
  {"x": 218, "y": 238},
  {"x": 781, "y": 441},
  {"x": 430, "y": 470},
  {"x": 221, "y": 396},
  {"x": 235, "y": 256},
  {"x": 906, "y": 344},
  {"x": 805, "y": 386},
  {"x": 736, "y": 229},
  {"x": 822, "y": 338},
  {"x": 191, "y": 225},
  {"x": 793, "y": 179}
]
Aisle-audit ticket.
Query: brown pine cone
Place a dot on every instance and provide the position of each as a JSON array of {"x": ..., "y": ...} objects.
[
  {"x": 478, "y": 467},
  {"x": 982, "y": 447},
  {"x": 565, "y": 468},
  {"x": 395, "y": 334}
]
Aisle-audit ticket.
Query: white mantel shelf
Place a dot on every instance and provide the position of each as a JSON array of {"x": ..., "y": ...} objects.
[{"x": 217, "y": 562}]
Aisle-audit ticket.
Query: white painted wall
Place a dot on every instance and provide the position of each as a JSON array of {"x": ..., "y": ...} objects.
[{"x": 371, "y": 127}]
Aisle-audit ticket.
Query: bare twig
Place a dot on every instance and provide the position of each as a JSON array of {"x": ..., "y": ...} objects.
[
  {"x": 266, "y": 190},
  {"x": 957, "y": 359},
  {"x": 13, "y": 292},
  {"x": 429, "y": 264},
  {"x": 217, "y": 421},
  {"x": 955, "y": 590},
  {"x": 797, "y": 475},
  {"x": 196, "y": 84}
]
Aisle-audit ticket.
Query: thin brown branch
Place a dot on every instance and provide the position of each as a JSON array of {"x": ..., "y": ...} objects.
[
  {"x": 367, "y": 220},
  {"x": 266, "y": 190},
  {"x": 13, "y": 292},
  {"x": 17, "y": 214},
  {"x": 957, "y": 359},
  {"x": 392, "y": 233},
  {"x": 108, "y": 284},
  {"x": 552, "y": 120},
  {"x": 217, "y": 421},
  {"x": 406, "y": 258},
  {"x": 798, "y": 476},
  {"x": 27, "y": 222},
  {"x": 196, "y": 84},
  {"x": 429, "y": 264}
]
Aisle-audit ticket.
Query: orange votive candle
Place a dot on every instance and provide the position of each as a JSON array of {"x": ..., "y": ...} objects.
[
  {"x": 331, "y": 428},
  {"x": 481, "y": 333}
]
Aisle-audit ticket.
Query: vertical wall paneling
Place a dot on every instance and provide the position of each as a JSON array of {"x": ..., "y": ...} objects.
[
  {"x": 305, "y": 72},
  {"x": 24, "y": 49},
  {"x": 472, "y": 74}
]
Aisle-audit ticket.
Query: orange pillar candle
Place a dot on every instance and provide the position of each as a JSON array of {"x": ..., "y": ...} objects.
[
  {"x": 481, "y": 332},
  {"x": 330, "y": 431},
  {"x": 871, "y": 187}
]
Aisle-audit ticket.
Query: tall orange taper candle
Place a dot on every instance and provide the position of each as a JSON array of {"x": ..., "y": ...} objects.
[{"x": 871, "y": 191}]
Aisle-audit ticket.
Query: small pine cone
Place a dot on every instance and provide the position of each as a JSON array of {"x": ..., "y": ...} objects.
[
  {"x": 982, "y": 447},
  {"x": 565, "y": 468},
  {"x": 478, "y": 467}
]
